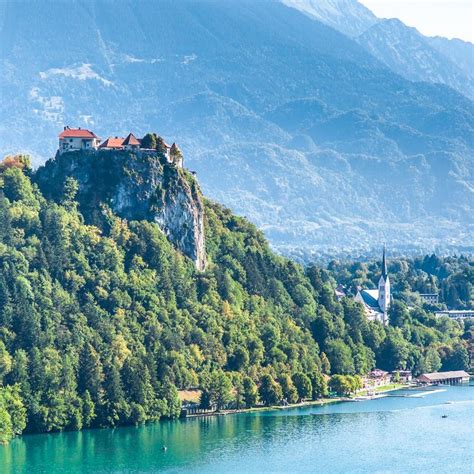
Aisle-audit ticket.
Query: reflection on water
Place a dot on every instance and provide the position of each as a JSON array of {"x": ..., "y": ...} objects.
[{"x": 395, "y": 434}]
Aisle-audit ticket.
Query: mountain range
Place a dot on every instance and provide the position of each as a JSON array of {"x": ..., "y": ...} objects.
[{"x": 326, "y": 126}]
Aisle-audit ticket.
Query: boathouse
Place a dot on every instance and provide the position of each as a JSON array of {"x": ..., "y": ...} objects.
[{"x": 447, "y": 378}]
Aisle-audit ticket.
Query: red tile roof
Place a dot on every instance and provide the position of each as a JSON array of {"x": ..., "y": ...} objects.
[
  {"x": 131, "y": 140},
  {"x": 77, "y": 133},
  {"x": 112, "y": 142}
]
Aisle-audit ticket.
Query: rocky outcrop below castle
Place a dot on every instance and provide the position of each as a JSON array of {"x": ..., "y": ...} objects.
[{"x": 135, "y": 185}]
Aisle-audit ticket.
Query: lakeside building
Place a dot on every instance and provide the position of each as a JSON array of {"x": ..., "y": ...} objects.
[
  {"x": 404, "y": 376},
  {"x": 377, "y": 378},
  {"x": 377, "y": 302},
  {"x": 430, "y": 298},
  {"x": 456, "y": 313},
  {"x": 447, "y": 378}
]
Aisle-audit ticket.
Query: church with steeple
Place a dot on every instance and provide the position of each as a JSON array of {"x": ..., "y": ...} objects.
[{"x": 377, "y": 302}]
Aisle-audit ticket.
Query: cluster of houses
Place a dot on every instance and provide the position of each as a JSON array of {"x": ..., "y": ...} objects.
[
  {"x": 74, "y": 139},
  {"x": 379, "y": 378}
]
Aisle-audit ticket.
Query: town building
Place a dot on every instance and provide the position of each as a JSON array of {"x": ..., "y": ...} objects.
[
  {"x": 446, "y": 378},
  {"x": 376, "y": 302},
  {"x": 377, "y": 378},
  {"x": 131, "y": 142},
  {"x": 112, "y": 143},
  {"x": 120, "y": 143},
  {"x": 456, "y": 313},
  {"x": 73, "y": 139},
  {"x": 340, "y": 292},
  {"x": 403, "y": 375},
  {"x": 430, "y": 298}
]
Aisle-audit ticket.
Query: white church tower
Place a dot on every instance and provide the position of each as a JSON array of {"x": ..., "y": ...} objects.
[{"x": 384, "y": 290}]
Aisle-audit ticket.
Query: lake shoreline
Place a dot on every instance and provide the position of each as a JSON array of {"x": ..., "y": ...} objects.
[{"x": 322, "y": 401}]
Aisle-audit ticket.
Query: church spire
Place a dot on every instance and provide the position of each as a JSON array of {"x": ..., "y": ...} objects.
[{"x": 384, "y": 265}]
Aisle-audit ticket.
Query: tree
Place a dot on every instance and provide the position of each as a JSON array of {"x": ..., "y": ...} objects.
[
  {"x": 250, "y": 392},
  {"x": 205, "y": 400},
  {"x": 398, "y": 314},
  {"x": 90, "y": 372},
  {"x": 12, "y": 413},
  {"x": 319, "y": 385},
  {"x": 340, "y": 357},
  {"x": 290, "y": 393},
  {"x": 160, "y": 145},
  {"x": 218, "y": 391},
  {"x": 430, "y": 362},
  {"x": 325, "y": 364},
  {"x": 239, "y": 359},
  {"x": 270, "y": 391},
  {"x": 303, "y": 385},
  {"x": 71, "y": 186},
  {"x": 341, "y": 384},
  {"x": 149, "y": 141},
  {"x": 88, "y": 410},
  {"x": 5, "y": 361},
  {"x": 173, "y": 402},
  {"x": 457, "y": 358}
]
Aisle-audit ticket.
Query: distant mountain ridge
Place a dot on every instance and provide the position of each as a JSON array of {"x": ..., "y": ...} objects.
[
  {"x": 286, "y": 120},
  {"x": 400, "y": 47}
]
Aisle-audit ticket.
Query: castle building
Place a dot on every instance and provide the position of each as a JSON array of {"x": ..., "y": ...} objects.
[
  {"x": 120, "y": 143},
  {"x": 377, "y": 302},
  {"x": 72, "y": 139}
]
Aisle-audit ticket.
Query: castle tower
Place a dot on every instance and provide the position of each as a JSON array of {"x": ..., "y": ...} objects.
[{"x": 384, "y": 290}]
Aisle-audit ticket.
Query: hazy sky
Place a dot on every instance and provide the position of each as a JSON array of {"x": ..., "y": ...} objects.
[{"x": 449, "y": 18}]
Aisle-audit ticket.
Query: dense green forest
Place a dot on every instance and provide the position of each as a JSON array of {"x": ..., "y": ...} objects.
[{"x": 102, "y": 326}]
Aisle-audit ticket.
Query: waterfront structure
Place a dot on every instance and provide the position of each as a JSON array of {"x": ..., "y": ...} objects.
[
  {"x": 448, "y": 378},
  {"x": 73, "y": 139},
  {"x": 456, "y": 313},
  {"x": 430, "y": 298},
  {"x": 377, "y": 378},
  {"x": 377, "y": 302},
  {"x": 403, "y": 375}
]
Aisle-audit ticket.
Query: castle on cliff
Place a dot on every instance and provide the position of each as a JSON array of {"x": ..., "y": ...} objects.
[
  {"x": 75, "y": 139},
  {"x": 377, "y": 302}
]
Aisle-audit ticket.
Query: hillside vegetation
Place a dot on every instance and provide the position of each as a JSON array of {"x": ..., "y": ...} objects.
[{"x": 100, "y": 326}]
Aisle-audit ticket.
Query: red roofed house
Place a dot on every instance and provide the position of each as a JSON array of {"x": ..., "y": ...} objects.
[
  {"x": 112, "y": 143},
  {"x": 131, "y": 142},
  {"x": 71, "y": 139},
  {"x": 120, "y": 143}
]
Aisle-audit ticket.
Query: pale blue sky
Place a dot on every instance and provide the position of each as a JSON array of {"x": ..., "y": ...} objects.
[{"x": 449, "y": 18}]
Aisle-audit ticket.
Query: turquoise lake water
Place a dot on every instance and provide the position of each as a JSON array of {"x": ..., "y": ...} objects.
[{"x": 390, "y": 434}]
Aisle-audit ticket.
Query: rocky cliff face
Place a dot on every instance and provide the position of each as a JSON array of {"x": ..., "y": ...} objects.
[{"x": 136, "y": 186}]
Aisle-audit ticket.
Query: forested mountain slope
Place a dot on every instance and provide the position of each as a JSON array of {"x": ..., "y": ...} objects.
[
  {"x": 286, "y": 120},
  {"x": 103, "y": 319}
]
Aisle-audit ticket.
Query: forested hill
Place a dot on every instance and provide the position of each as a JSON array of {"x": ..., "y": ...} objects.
[{"x": 103, "y": 318}]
